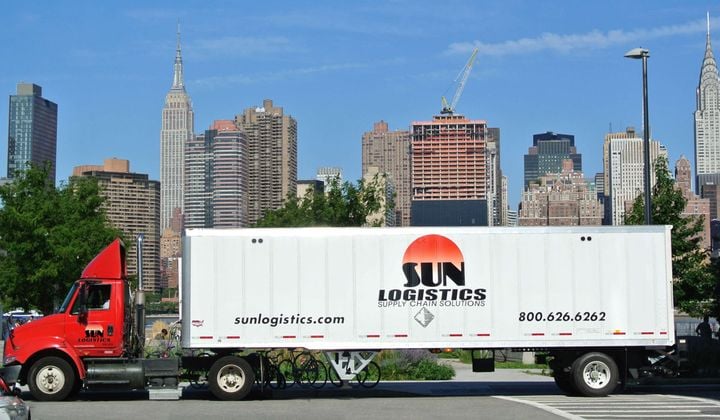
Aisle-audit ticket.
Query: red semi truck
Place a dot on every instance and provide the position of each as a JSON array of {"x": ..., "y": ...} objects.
[{"x": 597, "y": 299}]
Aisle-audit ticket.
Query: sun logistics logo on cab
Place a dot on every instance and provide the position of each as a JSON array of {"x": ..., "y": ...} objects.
[{"x": 434, "y": 270}]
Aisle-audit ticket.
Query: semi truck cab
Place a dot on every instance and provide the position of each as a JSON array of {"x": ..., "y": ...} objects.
[{"x": 87, "y": 341}]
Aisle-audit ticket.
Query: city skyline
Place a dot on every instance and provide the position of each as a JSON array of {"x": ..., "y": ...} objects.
[{"x": 557, "y": 68}]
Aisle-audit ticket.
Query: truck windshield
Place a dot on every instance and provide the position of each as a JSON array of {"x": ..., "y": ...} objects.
[{"x": 68, "y": 298}]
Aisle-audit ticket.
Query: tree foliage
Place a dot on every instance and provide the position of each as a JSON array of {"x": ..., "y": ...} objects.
[
  {"x": 343, "y": 204},
  {"x": 694, "y": 283},
  {"x": 47, "y": 236}
]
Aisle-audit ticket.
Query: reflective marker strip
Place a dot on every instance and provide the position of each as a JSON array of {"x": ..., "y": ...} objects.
[
  {"x": 233, "y": 337},
  {"x": 455, "y": 335},
  {"x": 289, "y": 336},
  {"x": 206, "y": 337},
  {"x": 647, "y": 333},
  {"x": 483, "y": 335},
  {"x": 317, "y": 336},
  {"x": 537, "y": 334},
  {"x": 663, "y": 332},
  {"x": 400, "y": 335},
  {"x": 565, "y": 334},
  {"x": 373, "y": 336},
  {"x": 618, "y": 333}
]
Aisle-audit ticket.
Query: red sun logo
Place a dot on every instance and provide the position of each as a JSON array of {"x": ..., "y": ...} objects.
[{"x": 433, "y": 249}]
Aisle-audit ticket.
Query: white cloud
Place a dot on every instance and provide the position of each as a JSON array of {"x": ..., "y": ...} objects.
[
  {"x": 239, "y": 46},
  {"x": 564, "y": 43},
  {"x": 248, "y": 79}
]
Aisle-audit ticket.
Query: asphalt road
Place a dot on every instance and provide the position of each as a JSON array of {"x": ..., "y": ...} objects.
[{"x": 506, "y": 394}]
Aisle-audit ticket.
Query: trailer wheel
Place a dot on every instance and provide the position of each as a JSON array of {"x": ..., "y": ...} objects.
[
  {"x": 51, "y": 379},
  {"x": 595, "y": 375},
  {"x": 231, "y": 378}
]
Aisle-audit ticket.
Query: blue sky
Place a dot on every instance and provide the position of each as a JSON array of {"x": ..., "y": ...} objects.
[{"x": 337, "y": 67}]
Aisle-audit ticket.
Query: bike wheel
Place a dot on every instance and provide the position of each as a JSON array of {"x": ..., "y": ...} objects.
[
  {"x": 369, "y": 376},
  {"x": 322, "y": 377},
  {"x": 333, "y": 377},
  {"x": 286, "y": 369},
  {"x": 307, "y": 369}
]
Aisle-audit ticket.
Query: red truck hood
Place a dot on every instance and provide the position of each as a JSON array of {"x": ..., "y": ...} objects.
[{"x": 48, "y": 326}]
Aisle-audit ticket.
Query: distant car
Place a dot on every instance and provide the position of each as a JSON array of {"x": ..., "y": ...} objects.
[{"x": 12, "y": 407}]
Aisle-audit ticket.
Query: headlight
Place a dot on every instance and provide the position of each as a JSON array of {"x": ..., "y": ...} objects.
[{"x": 8, "y": 359}]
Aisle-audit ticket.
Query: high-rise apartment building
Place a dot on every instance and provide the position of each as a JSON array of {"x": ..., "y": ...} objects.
[
  {"x": 707, "y": 121},
  {"x": 547, "y": 154},
  {"x": 329, "y": 174},
  {"x": 132, "y": 204},
  {"x": 384, "y": 216},
  {"x": 450, "y": 165},
  {"x": 271, "y": 155},
  {"x": 696, "y": 206},
  {"x": 177, "y": 129},
  {"x": 389, "y": 151},
  {"x": 624, "y": 171},
  {"x": 565, "y": 198},
  {"x": 495, "y": 199},
  {"x": 32, "y": 130},
  {"x": 216, "y": 178}
]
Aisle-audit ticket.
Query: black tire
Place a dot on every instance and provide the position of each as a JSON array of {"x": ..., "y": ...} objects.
[
  {"x": 322, "y": 376},
  {"x": 231, "y": 378},
  {"x": 564, "y": 381},
  {"x": 51, "y": 379},
  {"x": 306, "y": 370},
  {"x": 287, "y": 371},
  {"x": 369, "y": 376},
  {"x": 333, "y": 377},
  {"x": 595, "y": 375}
]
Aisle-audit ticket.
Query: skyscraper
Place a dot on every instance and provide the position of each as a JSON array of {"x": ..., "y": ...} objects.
[
  {"x": 450, "y": 171},
  {"x": 389, "y": 152},
  {"x": 564, "y": 198},
  {"x": 695, "y": 206},
  {"x": 547, "y": 154},
  {"x": 707, "y": 121},
  {"x": 271, "y": 155},
  {"x": 177, "y": 129},
  {"x": 32, "y": 130},
  {"x": 132, "y": 204},
  {"x": 216, "y": 178},
  {"x": 624, "y": 171}
]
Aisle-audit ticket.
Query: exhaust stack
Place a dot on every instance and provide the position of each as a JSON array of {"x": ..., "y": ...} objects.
[{"x": 140, "y": 300}]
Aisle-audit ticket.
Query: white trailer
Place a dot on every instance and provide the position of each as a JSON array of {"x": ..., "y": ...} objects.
[{"x": 595, "y": 298}]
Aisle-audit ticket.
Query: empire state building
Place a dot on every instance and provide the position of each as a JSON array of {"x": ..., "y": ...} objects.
[{"x": 177, "y": 129}]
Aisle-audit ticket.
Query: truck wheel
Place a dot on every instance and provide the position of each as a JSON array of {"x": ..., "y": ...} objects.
[
  {"x": 51, "y": 379},
  {"x": 595, "y": 375},
  {"x": 231, "y": 378}
]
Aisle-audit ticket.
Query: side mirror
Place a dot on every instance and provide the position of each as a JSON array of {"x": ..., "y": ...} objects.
[{"x": 82, "y": 300}]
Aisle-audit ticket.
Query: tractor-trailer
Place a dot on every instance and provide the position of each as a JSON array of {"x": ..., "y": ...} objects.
[{"x": 598, "y": 300}]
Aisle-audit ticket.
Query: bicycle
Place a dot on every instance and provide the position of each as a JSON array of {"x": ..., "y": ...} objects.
[{"x": 304, "y": 369}]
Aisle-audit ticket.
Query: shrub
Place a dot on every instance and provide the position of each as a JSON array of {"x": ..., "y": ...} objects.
[{"x": 412, "y": 365}]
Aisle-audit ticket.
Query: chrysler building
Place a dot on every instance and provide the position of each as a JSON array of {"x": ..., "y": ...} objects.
[{"x": 707, "y": 121}]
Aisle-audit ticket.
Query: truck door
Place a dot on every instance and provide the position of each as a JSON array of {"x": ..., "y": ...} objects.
[{"x": 92, "y": 329}]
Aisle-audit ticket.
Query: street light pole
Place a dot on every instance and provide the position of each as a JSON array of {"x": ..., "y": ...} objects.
[{"x": 642, "y": 53}]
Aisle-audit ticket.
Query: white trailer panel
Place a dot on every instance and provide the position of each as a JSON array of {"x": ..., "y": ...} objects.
[{"x": 378, "y": 288}]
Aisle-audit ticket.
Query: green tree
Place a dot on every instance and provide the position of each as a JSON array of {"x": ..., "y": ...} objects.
[
  {"x": 343, "y": 204},
  {"x": 694, "y": 284},
  {"x": 47, "y": 236}
]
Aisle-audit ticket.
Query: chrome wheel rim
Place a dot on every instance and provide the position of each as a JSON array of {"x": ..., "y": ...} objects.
[
  {"x": 596, "y": 375},
  {"x": 230, "y": 378},
  {"x": 50, "y": 379}
]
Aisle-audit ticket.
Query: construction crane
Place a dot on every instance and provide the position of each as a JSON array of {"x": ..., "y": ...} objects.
[{"x": 462, "y": 77}]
